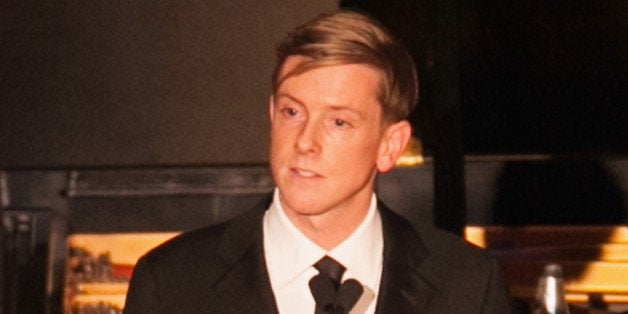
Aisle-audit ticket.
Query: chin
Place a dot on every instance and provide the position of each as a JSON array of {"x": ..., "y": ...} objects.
[
  {"x": 296, "y": 200},
  {"x": 301, "y": 204}
]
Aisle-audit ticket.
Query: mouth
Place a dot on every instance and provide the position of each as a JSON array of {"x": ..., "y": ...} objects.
[{"x": 304, "y": 173}]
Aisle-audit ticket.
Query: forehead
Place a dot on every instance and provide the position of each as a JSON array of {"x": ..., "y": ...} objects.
[
  {"x": 333, "y": 75},
  {"x": 332, "y": 84},
  {"x": 294, "y": 65}
]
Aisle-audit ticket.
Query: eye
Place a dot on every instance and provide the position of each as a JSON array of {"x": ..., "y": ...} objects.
[
  {"x": 340, "y": 123},
  {"x": 291, "y": 112}
]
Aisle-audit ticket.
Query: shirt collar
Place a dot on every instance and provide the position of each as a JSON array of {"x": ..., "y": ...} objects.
[
  {"x": 289, "y": 253},
  {"x": 362, "y": 252}
]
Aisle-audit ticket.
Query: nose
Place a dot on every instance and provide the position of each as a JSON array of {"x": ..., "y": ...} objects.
[{"x": 308, "y": 139}]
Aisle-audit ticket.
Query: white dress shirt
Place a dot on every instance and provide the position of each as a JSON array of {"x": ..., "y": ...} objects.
[{"x": 290, "y": 255}]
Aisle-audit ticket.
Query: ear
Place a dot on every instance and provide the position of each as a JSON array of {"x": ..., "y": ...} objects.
[{"x": 394, "y": 142}]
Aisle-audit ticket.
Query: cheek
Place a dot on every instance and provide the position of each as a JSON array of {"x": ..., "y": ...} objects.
[
  {"x": 280, "y": 142},
  {"x": 278, "y": 134},
  {"x": 358, "y": 152},
  {"x": 366, "y": 143}
]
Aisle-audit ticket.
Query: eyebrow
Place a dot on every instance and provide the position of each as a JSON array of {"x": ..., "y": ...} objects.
[
  {"x": 332, "y": 107},
  {"x": 350, "y": 110},
  {"x": 284, "y": 95}
]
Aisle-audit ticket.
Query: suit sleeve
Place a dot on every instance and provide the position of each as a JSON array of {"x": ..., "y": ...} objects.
[
  {"x": 496, "y": 300},
  {"x": 142, "y": 296}
]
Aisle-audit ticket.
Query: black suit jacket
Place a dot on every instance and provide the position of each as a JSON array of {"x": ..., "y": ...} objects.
[{"x": 221, "y": 269}]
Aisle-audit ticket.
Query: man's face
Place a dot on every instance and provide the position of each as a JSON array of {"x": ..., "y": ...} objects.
[{"x": 326, "y": 137}]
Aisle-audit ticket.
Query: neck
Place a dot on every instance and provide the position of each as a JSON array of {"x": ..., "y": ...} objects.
[{"x": 330, "y": 229}]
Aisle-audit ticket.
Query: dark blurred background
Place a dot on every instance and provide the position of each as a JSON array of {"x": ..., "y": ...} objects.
[
  {"x": 143, "y": 83},
  {"x": 126, "y": 116}
]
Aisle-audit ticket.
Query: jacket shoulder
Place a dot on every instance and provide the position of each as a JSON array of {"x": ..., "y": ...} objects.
[
  {"x": 441, "y": 253},
  {"x": 178, "y": 275},
  {"x": 208, "y": 247},
  {"x": 446, "y": 245}
]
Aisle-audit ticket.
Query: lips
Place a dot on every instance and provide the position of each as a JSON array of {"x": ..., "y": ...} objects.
[{"x": 304, "y": 173}]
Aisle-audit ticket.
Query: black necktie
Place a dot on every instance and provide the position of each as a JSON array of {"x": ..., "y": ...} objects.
[{"x": 330, "y": 295}]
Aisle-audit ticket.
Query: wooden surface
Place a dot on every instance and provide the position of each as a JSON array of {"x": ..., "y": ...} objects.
[{"x": 594, "y": 258}]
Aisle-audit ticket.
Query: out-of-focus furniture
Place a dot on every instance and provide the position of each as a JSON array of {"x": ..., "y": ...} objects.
[
  {"x": 100, "y": 266},
  {"x": 594, "y": 259}
]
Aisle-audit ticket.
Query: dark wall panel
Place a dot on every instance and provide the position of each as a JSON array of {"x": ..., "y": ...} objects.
[
  {"x": 93, "y": 83},
  {"x": 544, "y": 76}
]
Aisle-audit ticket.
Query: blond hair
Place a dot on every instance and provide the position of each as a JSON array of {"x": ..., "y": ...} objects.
[{"x": 347, "y": 37}]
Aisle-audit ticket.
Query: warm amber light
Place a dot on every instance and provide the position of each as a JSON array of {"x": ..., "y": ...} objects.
[{"x": 413, "y": 155}]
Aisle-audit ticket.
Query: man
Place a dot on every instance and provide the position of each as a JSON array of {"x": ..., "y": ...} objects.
[{"x": 342, "y": 89}]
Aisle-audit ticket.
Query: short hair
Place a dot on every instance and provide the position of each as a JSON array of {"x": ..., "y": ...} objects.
[{"x": 347, "y": 37}]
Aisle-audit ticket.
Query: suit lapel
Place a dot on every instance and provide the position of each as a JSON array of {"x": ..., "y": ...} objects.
[
  {"x": 244, "y": 286},
  {"x": 404, "y": 288}
]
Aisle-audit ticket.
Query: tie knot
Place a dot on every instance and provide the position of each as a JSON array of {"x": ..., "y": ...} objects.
[
  {"x": 330, "y": 267},
  {"x": 332, "y": 297}
]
